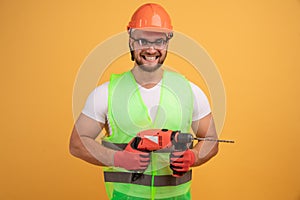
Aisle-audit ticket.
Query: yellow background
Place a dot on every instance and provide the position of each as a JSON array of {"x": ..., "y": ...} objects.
[{"x": 255, "y": 44}]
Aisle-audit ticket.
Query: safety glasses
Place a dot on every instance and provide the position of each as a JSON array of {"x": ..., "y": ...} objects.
[{"x": 142, "y": 43}]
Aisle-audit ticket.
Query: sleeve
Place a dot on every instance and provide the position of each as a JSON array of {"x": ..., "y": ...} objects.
[
  {"x": 201, "y": 103},
  {"x": 96, "y": 103}
]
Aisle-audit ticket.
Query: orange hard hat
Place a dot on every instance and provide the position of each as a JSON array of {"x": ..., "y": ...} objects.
[{"x": 151, "y": 17}]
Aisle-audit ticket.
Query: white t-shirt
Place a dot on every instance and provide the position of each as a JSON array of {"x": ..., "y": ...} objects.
[{"x": 96, "y": 103}]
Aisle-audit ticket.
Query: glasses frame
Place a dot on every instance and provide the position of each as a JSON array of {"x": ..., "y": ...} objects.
[{"x": 149, "y": 43}]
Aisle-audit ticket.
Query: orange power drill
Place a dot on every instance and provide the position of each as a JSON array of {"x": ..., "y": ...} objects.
[{"x": 157, "y": 139}]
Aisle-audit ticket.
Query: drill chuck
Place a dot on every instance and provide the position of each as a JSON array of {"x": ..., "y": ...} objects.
[{"x": 184, "y": 138}]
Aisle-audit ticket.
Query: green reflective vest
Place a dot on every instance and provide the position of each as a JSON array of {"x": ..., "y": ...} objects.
[{"x": 128, "y": 115}]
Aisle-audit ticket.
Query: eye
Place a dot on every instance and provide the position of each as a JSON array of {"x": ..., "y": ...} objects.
[
  {"x": 142, "y": 42},
  {"x": 160, "y": 42}
]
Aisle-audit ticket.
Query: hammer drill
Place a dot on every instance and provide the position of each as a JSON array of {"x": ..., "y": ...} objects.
[{"x": 157, "y": 139}]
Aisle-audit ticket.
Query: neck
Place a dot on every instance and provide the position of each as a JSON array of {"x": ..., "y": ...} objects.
[{"x": 147, "y": 79}]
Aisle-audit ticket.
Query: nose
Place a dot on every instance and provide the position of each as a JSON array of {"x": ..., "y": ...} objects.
[{"x": 150, "y": 49}]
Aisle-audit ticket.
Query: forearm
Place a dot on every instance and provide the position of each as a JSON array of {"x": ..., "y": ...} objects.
[
  {"x": 93, "y": 152},
  {"x": 82, "y": 153},
  {"x": 204, "y": 151},
  {"x": 89, "y": 150}
]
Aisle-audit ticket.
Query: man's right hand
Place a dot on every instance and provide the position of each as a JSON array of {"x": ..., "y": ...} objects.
[{"x": 132, "y": 159}]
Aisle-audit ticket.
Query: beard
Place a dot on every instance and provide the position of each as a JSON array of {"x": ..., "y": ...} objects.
[
  {"x": 153, "y": 68},
  {"x": 149, "y": 69}
]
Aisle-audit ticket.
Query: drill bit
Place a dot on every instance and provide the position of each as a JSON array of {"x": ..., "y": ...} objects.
[{"x": 213, "y": 140}]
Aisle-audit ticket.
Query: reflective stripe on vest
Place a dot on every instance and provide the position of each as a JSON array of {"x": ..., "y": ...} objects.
[{"x": 144, "y": 179}]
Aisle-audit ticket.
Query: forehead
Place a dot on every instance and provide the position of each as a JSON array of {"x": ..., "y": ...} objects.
[{"x": 147, "y": 34}]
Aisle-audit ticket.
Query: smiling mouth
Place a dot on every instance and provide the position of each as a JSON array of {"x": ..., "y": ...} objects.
[{"x": 150, "y": 58}]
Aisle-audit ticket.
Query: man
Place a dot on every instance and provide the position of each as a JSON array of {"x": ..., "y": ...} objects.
[{"x": 146, "y": 97}]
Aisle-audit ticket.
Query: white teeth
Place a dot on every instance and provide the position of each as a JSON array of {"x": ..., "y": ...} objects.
[{"x": 150, "y": 58}]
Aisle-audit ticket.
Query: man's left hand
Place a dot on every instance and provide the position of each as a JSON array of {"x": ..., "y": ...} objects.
[{"x": 181, "y": 161}]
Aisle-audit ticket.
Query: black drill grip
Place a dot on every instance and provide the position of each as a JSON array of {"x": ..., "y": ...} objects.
[{"x": 135, "y": 142}]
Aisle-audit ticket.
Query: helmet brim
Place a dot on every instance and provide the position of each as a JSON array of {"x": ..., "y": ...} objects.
[{"x": 167, "y": 31}]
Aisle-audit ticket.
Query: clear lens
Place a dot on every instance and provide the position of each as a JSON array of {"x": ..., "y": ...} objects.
[{"x": 142, "y": 42}]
